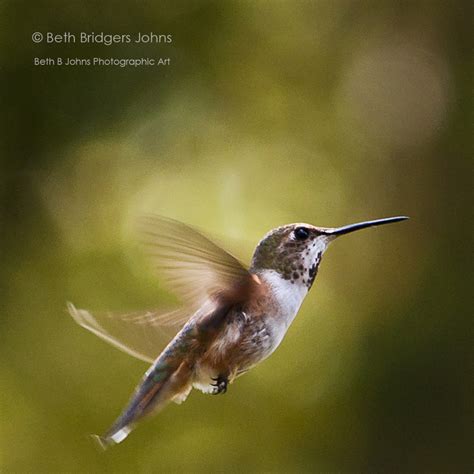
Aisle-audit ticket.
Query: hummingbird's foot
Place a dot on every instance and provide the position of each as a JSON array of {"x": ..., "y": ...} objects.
[{"x": 220, "y": 385}]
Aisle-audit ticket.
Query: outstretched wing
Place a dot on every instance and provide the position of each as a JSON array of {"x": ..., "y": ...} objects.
[
  {"x": 200, "y": 272},
  {"x": 195, "y": 268},
  {"x": 141, "y": 335}
]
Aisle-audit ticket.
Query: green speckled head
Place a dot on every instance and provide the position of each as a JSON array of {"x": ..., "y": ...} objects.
[{"x": 293, "y": 250}]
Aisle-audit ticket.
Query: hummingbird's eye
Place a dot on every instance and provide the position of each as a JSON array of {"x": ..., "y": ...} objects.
[{"x": 301, "y": 233}]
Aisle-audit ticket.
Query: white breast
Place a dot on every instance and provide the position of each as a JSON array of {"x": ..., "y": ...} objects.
[{"x": 289, "y": 297}]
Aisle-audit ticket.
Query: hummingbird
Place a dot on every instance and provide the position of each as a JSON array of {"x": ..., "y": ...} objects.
[{"x": 231, "y": 317}]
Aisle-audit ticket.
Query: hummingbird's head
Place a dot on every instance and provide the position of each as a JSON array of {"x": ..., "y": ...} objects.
[{"x": 294, "y": 251}]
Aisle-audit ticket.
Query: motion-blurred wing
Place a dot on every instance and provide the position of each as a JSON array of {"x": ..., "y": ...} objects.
[
  {"x": 142, "y": 335},
  {"x": 193, "y": 266},
  {"x": 205, "y": 276}
]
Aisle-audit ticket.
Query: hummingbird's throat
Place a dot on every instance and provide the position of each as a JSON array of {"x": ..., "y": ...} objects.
[
  {"x": 303, "y": 264},
  {"x": 313, "y": 270},
  {"x": 301, "y": 268},
  {"x": 302, "y": 271}
]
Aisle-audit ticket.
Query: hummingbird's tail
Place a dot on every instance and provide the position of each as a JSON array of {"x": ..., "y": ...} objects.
[{"x": 161, "y": 384}]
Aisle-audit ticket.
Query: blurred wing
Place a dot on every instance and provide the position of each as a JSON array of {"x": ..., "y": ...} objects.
[
  {"x": 205, "y": 276},
  {"x": 193, "y": 266},
  {"x": 142, "y": 335}
]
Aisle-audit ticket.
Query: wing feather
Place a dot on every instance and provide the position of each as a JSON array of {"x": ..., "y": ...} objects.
[
  {"x": 141, "y": 335},
  {"x": 193, "y": 266},
  {"x": 200, "y": 272}
]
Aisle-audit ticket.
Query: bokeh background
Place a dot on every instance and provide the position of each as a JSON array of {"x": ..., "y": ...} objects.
[{"x": 270, "y": 112}]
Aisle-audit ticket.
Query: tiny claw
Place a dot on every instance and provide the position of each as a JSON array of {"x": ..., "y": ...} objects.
[{"x": 220, "y": 385}]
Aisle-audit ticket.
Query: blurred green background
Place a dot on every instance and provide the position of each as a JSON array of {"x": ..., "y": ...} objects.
[{"x": 328, "y": 112}]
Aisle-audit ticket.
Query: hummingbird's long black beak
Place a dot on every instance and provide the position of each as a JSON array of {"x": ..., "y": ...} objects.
[{"x": 362, "y": 225}]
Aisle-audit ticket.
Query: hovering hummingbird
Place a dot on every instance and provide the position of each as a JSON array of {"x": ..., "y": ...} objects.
[{"x": 231, "y": 319}]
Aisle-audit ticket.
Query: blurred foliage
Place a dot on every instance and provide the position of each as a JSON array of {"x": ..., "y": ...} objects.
[{"x": 271, "y": 112}]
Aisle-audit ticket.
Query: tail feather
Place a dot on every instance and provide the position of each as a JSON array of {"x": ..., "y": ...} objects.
[
  {"x": 142, "y": 402},
  {"x": 166, "y": 380},
  {"x": 159, "y": 387},
  {"x": 105, "y": 442}
]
